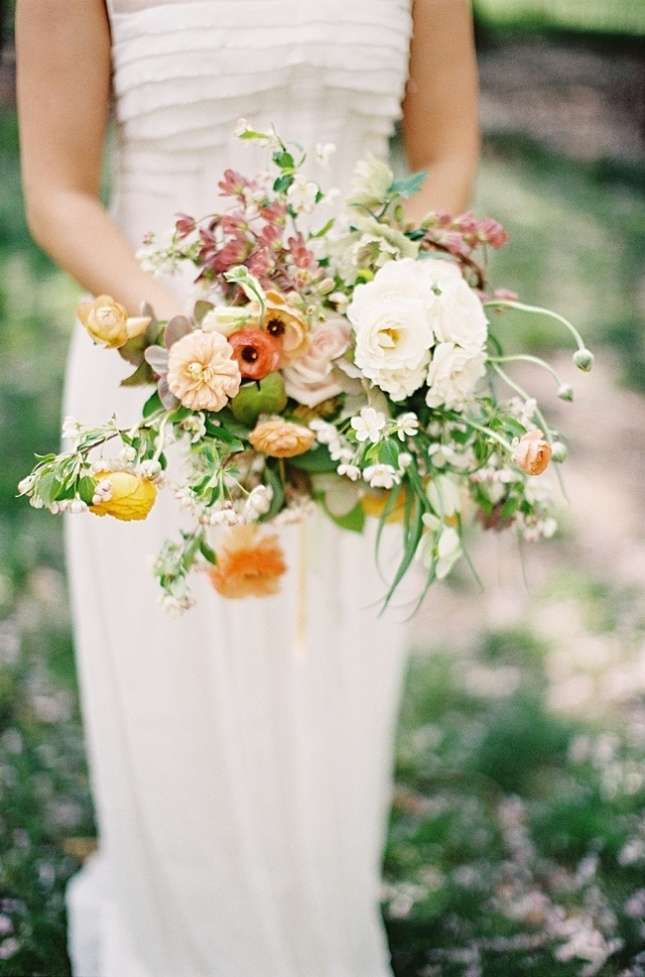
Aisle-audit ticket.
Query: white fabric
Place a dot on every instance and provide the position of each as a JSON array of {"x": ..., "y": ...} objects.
[{"x": 241, "y": 780}]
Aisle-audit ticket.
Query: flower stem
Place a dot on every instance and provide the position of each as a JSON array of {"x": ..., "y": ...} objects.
[{"x": 537, "y": 310}]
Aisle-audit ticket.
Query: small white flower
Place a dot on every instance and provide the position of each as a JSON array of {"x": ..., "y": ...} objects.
[
  {"x": 369, "y": 425},
  {"x": 302, "y": 194},
  {"x": 448, "y": 552},
  {"x": 325, "y": 432},
  {"x": 36, "y": 502},
  {"x": 444, "y": 495},
  {"x": 71, "y": 428},
  {"x": 150, "y": 469},
  {"x": 340, "y": 300},
  {"x": 258, "y": 502},
  {"x": 224, "y": 515},
  {"x": 407, "y": 425},
  {"x": 127, "y": 454},
  {"x": 381, "y": 476},
  {"x": 405, "y": 460},
  {"x": 77, "y": 506},
  {"x": 102, "y": 491},
  {"x": 350, "y": 471},
  {"x": 324, "y": 152}
]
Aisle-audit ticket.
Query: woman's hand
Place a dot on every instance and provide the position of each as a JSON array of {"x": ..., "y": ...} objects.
[
  {"x": 440, "y": 111},
  {"x": 64, "y": 65}
]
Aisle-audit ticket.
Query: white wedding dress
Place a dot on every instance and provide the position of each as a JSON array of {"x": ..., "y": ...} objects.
[{"x": 240, "y": 756}]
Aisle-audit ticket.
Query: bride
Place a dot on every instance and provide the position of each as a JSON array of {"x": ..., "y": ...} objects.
[{"x": 240, "y": 756}]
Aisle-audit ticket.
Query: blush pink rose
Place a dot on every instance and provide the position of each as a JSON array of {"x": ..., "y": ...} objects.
[{"x": 310, "y": 378}]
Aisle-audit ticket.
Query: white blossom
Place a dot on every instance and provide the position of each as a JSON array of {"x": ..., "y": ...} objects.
[
  {"x": 350, "y": 471},
  {"x": 369, "y": 425},
  {"x": 381, "y": 476},
  {"x": 407, "y": 425},
  {"x": 302, "y": 194}
]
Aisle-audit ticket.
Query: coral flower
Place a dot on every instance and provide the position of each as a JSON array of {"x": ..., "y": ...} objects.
[
  {"x": 202, "y": 373},
  {"x": 287, "y": 323},
  {"x": 124, "y": 495},
  {"x": 257, "y": 352},
  {"x": 281, "y": 439},
  {"x": 533, "y": 453},
  {"x": 108, "y": 322},
  {"x": 248, "y": 564}
]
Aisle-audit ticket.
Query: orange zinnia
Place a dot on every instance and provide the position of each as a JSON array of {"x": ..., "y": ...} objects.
[{"x": 248, "y": 564}]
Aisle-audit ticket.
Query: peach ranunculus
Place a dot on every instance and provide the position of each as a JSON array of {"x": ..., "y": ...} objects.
[
  {"x": 256, "y": 351},
  {"x": 281, "y": 439},
  {"x": 123, "y": 495},
  {"x": 310, "y": 379},
  {"x": 533, "y": 453},
  {"x": 249, "y": 564},
  {"x": 202, "y": 372},
  {"x": 287, "y": 323},
  {"x": 108, "y": 322}
]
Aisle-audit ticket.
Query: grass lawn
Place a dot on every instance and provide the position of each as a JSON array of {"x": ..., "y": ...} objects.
[
  {"x": 517, "y": 841},
  {"x": 604, "y": 16}
]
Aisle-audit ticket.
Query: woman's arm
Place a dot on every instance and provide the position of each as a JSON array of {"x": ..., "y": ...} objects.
[
  {"x": 63, "y": 49},
  {"x": 440, "y": 111}
]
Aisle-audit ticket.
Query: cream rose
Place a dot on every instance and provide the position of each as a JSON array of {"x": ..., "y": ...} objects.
[
  {"x": 310, "y": 378},
  {"x": 457, "y": 313},
  {"x": 391, "y": 316},
  {"x": 453, "y": 376}
]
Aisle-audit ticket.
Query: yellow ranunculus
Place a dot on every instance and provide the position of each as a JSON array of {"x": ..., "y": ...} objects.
[
  {"x": 130, "y": 496},
  {"x": 108, "y": 322},
  {"x": 373, "y": 505}
]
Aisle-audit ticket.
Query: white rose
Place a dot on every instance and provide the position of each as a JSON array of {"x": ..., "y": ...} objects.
[
  {"x": 310, "y": 379},
  {"x": 453, "y": 376},
  {"x": 457, "y": 313},
  {"x": 371, "y": 180},
  {"x": 391, "y": 316}
]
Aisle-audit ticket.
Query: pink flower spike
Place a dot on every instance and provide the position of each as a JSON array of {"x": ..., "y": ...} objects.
[
  {"x": 232, "y": 184},
  {"x": 184, "y": 225}
]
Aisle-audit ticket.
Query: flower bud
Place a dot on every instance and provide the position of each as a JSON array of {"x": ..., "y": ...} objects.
[
  {"x": 559, "y": 451},
  {"x": 565, "y": 391},
  {"x": 583, "y": 359}
]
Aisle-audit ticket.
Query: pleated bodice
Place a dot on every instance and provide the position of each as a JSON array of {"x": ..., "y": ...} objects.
[{"x": 185, "y": 71}]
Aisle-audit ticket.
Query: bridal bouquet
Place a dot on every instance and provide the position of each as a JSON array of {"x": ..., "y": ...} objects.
[{"x": 350, "y": 364}]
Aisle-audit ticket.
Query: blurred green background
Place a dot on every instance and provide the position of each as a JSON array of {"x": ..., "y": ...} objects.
[{"x": 517, "y": 839}]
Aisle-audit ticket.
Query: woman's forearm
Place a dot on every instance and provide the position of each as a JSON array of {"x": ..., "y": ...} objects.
[
  {"x": 448, "y": 187},
  {"x": 78, "y": 233}
]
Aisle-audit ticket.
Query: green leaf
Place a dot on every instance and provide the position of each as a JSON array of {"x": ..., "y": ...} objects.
[
  {"x": 152, "y": 405},
  {"x": 273, "y": 480},
  {"x": 282, "y": 183},
  {"x": 409, "y": 185},
  {"x": 323, "y": 230},
  {"x": 316, "y": 460},
  {"x": 141, "y": 376},
  {"x": 85, "y": 489},
  {"x": 389, "y": 453},
  {"x": 354, "y": 521},
  {"x": 284, "y": 160},
  {"x": 207, "y": 551},
  {"x": 133, "y": 350}
]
